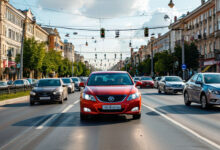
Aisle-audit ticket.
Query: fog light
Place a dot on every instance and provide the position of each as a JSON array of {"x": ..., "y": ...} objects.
[
  {"x": 86, "y": 109},
  {"x": 135, "y": 109}
]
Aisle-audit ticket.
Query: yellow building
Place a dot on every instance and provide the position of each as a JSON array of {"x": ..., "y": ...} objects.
[
  {"x": 202, "y": 26},
  {"x": 11, "y": 28}
]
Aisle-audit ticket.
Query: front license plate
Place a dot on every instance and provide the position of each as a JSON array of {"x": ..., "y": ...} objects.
[
  {"x": 44, "y": 98},
  {"x": 111, "y": 107}
]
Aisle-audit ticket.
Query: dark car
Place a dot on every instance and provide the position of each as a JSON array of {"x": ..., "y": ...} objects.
[
  {"x": 49, "y": 90},
  {"x": 156, "y": 81},
  {"x": 70, "y": 84},
  {"x": 147, "y": 82},
  {"x": 76, "y": 81},
  {"x": 203, "y": 88},
  {"x": 171, "y": 84}
]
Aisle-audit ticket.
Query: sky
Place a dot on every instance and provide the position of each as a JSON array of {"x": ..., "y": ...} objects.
[{"x": 109, "y": 14}]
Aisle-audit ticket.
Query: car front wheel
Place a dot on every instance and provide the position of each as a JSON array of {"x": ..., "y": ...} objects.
[
  {"x": 204, "y": 103},
  {"x": 137, "y": 116}
]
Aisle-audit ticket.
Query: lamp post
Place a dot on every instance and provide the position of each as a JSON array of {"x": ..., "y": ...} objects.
[{"x": 152, "y": 55}]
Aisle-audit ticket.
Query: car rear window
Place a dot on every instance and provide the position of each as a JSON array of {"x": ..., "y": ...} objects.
[
  {"x": 19, "y": 82},
  {"x": 43, "y": 83},
  {"x": 66, "y": 80},
  {"x": 108, "y": 79}
]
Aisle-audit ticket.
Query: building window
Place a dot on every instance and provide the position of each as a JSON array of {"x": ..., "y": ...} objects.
[
  {"x": 219, "y": 23},
  {"x": 210, "y": 29}
]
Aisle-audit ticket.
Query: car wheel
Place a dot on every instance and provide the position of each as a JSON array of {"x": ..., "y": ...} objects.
[
  {"x": 186, "y": 99},
  {"x": 137, "y": 116},
  {"x": 61, "y": 100},
  {"x": 83, "y": 117},
  {"x": 66, "y": 98},
  {"x": 31, "y": 103},
  {"x": 204, "y": 103},
  {"x": 159, "y": 91},
  {"x": 164, "y": 89}
]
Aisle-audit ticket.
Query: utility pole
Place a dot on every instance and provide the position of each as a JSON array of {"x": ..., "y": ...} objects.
[
  {"x": 183, "y": 55},
  {"x": 22, "y": 52},
  {"x": 152, "y": 59}
]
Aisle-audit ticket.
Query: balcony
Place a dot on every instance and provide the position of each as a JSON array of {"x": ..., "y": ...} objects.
[{"x": 210, "y": 55}]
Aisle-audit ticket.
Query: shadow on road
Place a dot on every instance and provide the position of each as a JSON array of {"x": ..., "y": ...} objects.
[
  {"x": 26, "y": 104},
  {"x": 182, "y": 109},
  {"x": 73, "y": 120}
]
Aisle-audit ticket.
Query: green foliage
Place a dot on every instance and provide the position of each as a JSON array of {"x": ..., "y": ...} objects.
[{"x": 191, "y": 55}]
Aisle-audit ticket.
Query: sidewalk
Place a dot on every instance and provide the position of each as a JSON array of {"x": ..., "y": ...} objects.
[{"x": 14, "y": 100}]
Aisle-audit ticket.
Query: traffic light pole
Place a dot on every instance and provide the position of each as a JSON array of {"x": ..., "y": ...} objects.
[{"x": 152, "y": 59}]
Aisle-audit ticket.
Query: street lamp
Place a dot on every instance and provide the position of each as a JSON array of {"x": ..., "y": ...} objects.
[
  {"x": 152, "y": 55},
  {"x": 171, "y": 4}
]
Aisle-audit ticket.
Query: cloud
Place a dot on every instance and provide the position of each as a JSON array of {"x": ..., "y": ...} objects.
[{"x": 97, "y": 8}]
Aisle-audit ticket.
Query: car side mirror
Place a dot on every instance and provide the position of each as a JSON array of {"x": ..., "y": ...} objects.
[
  {"x": 82, "y": 84},
  {"x": 64, "y": 85},
  {"x": 138, "y": 83},
  {"x": 199, "y": 82}
]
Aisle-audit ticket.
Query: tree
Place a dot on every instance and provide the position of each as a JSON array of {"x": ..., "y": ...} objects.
[{"x": 191, "y": 55}]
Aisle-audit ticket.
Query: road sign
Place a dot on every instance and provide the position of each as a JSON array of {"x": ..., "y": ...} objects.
[{"x": 183, "y": 67}]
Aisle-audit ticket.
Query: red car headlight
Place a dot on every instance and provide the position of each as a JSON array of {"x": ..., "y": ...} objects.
[
  {"x": 133, "y": 96},
  {"x": 89, "y": 97}
]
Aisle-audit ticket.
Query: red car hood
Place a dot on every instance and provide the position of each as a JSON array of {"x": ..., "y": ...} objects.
[{"x": 110, "y": 90}]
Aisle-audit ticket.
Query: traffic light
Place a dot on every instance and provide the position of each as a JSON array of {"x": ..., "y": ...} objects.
[
  {"x": 117, "y": 34},
  {"x": 102, "y": 33},
  {"x": 146, "y": 32}
]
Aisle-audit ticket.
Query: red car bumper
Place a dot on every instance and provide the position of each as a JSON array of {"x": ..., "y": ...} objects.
[
  {"x": 147, "y": 84},
  {"x": 96, "y": 107}
]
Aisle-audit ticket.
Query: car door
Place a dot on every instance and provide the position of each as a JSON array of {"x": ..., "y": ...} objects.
[
  {"x": 190, "y": 86},
  {"x": 197, "y": 88},
  {"x": 162, "y": 83},
  {"x": 193, "y": 87}
]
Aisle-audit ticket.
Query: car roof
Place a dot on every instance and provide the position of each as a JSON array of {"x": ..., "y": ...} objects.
[
  {"x": 51, "y": 79},
  {"x": 100, "y": 72},
  {"x": 209, "y": 73}
]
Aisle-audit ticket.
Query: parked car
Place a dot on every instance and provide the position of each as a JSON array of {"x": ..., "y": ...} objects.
[
  {"x": 3, "y": 84},
  {"x": 110, "y": 93},
  {"x": 136, "y": 79},
  {"x": 156, "y": 81},
  {"x": 76, "y": 81},
  {"x": 9, "y": 82},
  {"x": 21, "y": 82},
  {"x": 203, "y": 88},
  {"x": 70, "y": 84},
  {"x": 49, "y": 90},
  {"x": 171, "y": 84},
  {"x": 147, "y": 82},
  {"x": 32, "y": 82}
]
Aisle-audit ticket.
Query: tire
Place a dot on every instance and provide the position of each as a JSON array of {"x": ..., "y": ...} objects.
[
  {"x": 61, "y": 101},
  {"x": 137, "y": 117},
  {"x": 83, "y": 117},
  {"x": 31, "y": 103},
  {"x": 204, "y": 103},
  {"x": 186, "y": 99},
  {"x": 66, "y": 98},
  {"x": 164, "y": 89},
  {"x": 159, "y": 91}
]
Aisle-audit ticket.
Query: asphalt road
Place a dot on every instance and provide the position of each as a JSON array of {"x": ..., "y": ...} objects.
[{"x": 166, "y": 124}]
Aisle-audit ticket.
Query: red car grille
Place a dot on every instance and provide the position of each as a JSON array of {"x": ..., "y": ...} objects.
[{"x": 111, "y": 98}]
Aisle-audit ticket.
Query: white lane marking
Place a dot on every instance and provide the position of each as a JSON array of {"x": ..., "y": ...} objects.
[
  {"x": 48, "y": 120},
  {"x": 184, "y": 127},
  {"x": 55, "y": 115},
  {"x": 67, "y": 108},
  {"x": 76, "y": 102}
]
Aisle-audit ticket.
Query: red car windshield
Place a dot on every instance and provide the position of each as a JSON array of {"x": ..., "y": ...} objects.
[{"x": 108, "y": 79}]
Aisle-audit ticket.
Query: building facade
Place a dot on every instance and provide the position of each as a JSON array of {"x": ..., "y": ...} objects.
[
  {"x": 69, "y": 51},
  {"x": 54, "y": 40},
  {"x": 11, "y": 29}
]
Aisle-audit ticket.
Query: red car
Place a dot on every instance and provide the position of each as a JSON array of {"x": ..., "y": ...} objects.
[
  {"x": 147, "y": 82},
  {"x": 110, "y": 93}
]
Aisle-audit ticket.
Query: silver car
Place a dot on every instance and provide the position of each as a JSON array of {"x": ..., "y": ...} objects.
[
  {"x": 70, "y": 84},
  {"x": 171, "y": 84},
  {"x": 203, "y": 88}
]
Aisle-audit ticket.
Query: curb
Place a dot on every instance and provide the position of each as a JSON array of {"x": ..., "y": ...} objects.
[{"x": 14, "y": 100}]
